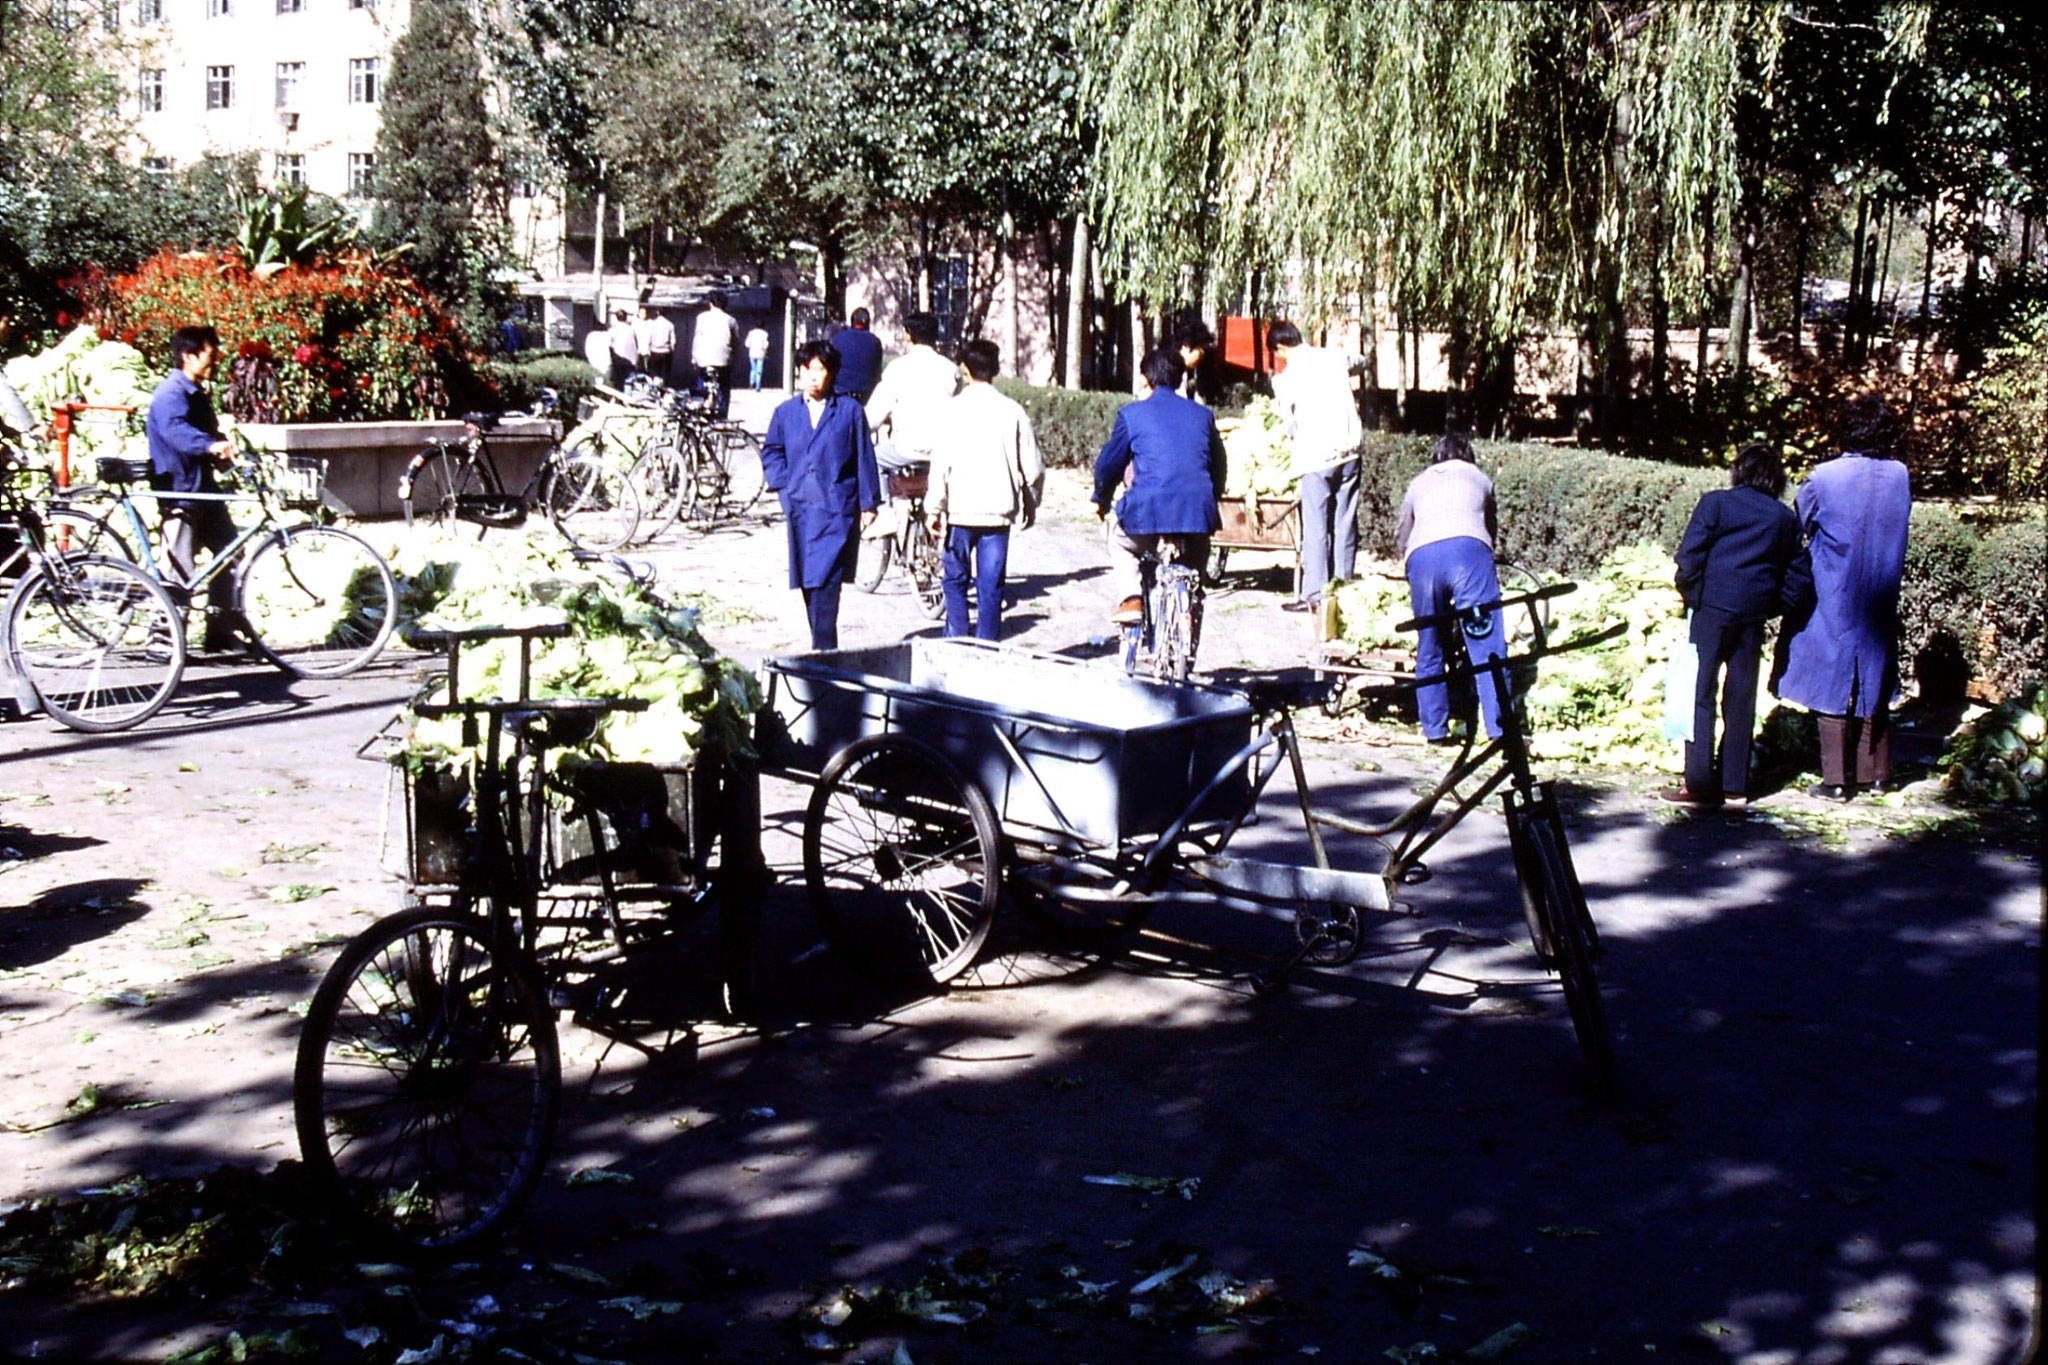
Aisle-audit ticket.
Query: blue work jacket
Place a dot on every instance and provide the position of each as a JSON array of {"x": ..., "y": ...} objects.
[
  {"x": 1172, "y": 446},
  {"x": 1742, "y": 558},
  {"x": 825, "y": 476},
  {"x": 860, "y": 360},
  {"x": 180, "y": 426},
  {"x": 1841, "y": 658}
]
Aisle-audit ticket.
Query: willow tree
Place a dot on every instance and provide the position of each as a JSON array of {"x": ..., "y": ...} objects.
[{"x": 1485, "y": 164}]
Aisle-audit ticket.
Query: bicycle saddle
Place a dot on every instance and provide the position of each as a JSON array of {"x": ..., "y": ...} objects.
[{"x": 482, "y": 421}]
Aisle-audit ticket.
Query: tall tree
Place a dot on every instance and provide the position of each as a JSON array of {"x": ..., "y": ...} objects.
[{"x": 440, "y": 181}]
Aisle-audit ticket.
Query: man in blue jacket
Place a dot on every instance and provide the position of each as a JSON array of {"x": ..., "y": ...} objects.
[
  {"x": 819, "y": 459},
  {"x": 860, "y": 358},
  {"x": 185, "y": 443},
  {"x": 1175, "y": 455}
]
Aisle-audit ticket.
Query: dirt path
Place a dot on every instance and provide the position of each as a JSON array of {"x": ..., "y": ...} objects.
[{"x": 1824, "y": 1149}]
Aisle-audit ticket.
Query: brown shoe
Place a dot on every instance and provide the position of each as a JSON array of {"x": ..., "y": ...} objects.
[
  {"x": 1681, "y": 796},
  {"x": 1129, "y": 611}
]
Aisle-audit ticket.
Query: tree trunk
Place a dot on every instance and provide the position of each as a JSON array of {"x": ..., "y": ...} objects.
[
  {"x": 924, "y": 263},
  {"x": 597, "y": 255},
  {"x": 1010, "y": 303},
  {"x": 1884, "y": 273},
  {"x": 1077, "y": 302},
  {"x": 1926, "y": 284},
  {"x": 1799, "y": 280},
  {"x": 1369, "y": 342},
  {"x": 1660, "y": 348},
  {"x": 1138, "y": 347},
  {"x": 1852, "y": 314},
  {"x": 1401, "y": 366},
  {"x": 1738, "y": 306}
]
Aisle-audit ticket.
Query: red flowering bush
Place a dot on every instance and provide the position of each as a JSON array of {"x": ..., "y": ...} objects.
[{"x": 344, "y": 340}]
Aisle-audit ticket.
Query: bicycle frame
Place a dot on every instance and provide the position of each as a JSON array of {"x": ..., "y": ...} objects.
[{"x": 125, "y": 500}]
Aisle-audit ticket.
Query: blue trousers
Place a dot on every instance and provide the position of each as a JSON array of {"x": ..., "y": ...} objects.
[
  {"x": 989, "y": 549},
  {"x": 754, "y": 370},
  {"x": 1445, "y": 575},
  {"x": 1329, "y": 527},
  {"x": 821, "y": 604}
]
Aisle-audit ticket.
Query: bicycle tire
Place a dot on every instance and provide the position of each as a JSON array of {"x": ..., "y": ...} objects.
[
  {"x": 591, "y": 502},
  {"x": 72, "y": 530},
  {"x": 319, "y": 602},
  {"x": 876, "y": 554},
  {"x": 427, "y": 1084},
  {"x": 1173, "y": 653},
  {"x": 432, "y": 498},
  {"x": 921, "y": 561},
  {"x": 901, "y": 858},
  {"x": 100, "y": 642},
  {"x": 1551, "y": 892},
  {"x": 661, "y": 481},
  {"x": 738, "y": 453}
]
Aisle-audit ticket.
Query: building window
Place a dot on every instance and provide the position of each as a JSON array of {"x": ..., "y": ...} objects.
[
  {"x": 950, "y": 298},
  {"x": 362, "y": 171},
  {"x": 290, "y": 6},
  {"x": 149, "y": 11},
  {"x": 219, "y": 9},
  {"x": 289, "y": 74},
  {"x": 110, "y": 16},
  {"x": 157, "y": 165},
  {"x": 149, "y": 92},
  {"x": 359, "y": 4},
  {"x": 291, "y": 168},
  {"x": 362, "y": 80},
  {"x": 220, "y": 87}
]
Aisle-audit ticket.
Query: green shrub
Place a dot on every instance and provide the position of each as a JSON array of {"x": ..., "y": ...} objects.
[
  {"x": 1070, "y": 426},
  {"x": 1972, "y": 600},
  {"x": 520, "y": 378}
]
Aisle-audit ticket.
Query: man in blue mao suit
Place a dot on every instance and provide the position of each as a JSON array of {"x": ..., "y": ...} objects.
[
  {"x": 185, "y": 443},
  {"x": 1175, "y": 455},
  {"x": 819, "y": 459}
]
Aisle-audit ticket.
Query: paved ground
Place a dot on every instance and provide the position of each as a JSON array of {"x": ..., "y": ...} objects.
[{"x": 1824, "y": 1150}]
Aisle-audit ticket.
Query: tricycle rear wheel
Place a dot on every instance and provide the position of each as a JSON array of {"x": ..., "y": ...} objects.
[{"x": 901, "y": 860}]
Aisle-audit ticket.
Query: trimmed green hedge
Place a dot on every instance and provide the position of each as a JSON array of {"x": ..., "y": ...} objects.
[
  {"x": 1973, "y": 596},
  {"x": 1070, "y": 426},
  {"x": 519, "y": 379}
]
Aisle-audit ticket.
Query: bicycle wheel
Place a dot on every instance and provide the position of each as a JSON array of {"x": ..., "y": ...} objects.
[
  {"x": 873, "y": 566},
  {"x": 447, "y": 475},
  {"x": 70, "y": 529},
  {"x": 428, "y": 1082},
  {"x": 1173, "y": 653},
  {"x": 99, "y": 641},
  {"x": 738, "y": 455},
  {"x": 900, "y": 857},
  {"x": 921, "y": 561},
  {"x": 659, "y": 477},
  {"x": 1565, "y": 938},
  {"x": 319, "y": 601},
  {"x": 591, "y": 503}
]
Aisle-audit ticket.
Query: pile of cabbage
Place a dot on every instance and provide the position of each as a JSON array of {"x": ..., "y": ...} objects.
[
  {"x": 1258, "y": 453},
  {"x": 2002, "y": 756},
  {"x": 626, "y": 642},
  {"x": 82, "y": 368}
]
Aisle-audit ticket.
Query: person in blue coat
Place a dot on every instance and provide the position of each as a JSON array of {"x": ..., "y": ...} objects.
[
  {"x": 860, "y": 357},
  {"x": 1175, "y": 455},
  {"x": 820, "y": 461},
  {"x": 1840, "y": 658},
  {"x": 1740, "y": 563},
  {"x": 185, "y": 444}
]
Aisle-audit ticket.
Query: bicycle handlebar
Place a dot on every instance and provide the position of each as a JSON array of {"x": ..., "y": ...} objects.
[{"x": 539, "y": 630}]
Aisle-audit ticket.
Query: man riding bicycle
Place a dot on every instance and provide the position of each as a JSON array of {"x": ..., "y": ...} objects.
[{"x": 1174, "y": 454}]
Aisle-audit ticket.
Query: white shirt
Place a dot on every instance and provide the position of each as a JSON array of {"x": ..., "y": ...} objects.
[
  {"x": 757, "y": 343},
  {"x": 985, "y": 467},
  {"x": 911, "y": 400},
  {"x": 625, "y": 345},
  {"x": 711, "y": 341},
  {"x": 1315, "y": 399},
  {"x": 656, "y": 335},
  {"x": 597, "y": 349}
]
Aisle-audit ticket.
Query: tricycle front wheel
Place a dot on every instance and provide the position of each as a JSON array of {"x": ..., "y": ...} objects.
[{"x": 901, "y": 860}]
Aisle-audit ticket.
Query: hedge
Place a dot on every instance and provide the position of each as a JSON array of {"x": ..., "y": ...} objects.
[
  {"x": 1070, "y": 426},
  {"x": 519, "y": 379},
  {"x": 1972, "y": 600}
]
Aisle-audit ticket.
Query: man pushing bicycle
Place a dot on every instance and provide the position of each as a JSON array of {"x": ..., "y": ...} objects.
[{"x": 1174, "y": 454}]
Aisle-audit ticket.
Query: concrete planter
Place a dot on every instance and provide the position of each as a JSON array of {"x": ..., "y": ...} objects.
[{"x": 365, "y": 459}]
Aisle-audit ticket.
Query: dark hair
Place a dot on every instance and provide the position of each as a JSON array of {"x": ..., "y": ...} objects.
[
  {"x": 1193, "y": 332},
  {"x": 860, "y": 317},
  {"x": 1452, "y": 445},
  {"x": 1162, "y": 368},
  {"x": 922, "y": 329},
  {"x": 1759, "y": 467},
  {"x": 822, "y": 351},
  {"x": 982, "y": 358},
  {"x": 1283, "y": 334},
  {"x": 717, "y": 298},
  {"x": 191, "y": 341},
  {"x": 1868, "y": 425}
]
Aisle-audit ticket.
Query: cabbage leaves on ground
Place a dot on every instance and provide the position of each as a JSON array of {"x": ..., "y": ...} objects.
[
  {"x": 627, "y": 641},
  {"x": 83, "y": 368}
]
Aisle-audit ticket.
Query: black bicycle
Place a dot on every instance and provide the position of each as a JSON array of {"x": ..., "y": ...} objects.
[{"x": 588, "y": 499}]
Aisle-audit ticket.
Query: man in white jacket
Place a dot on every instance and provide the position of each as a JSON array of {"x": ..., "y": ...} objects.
[
  {"x": 1315, "y": 398},
  {"x": 909, "y": 405},
  {"x": 986, "y": 475}
]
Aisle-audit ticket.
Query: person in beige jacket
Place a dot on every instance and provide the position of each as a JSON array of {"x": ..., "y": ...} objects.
[{"x": 986, "y": 475}]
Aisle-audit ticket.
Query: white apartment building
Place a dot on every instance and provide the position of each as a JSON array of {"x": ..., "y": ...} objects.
[
  {"x": 298, "y": 82},
  {"x": 295, "y": 81}
]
